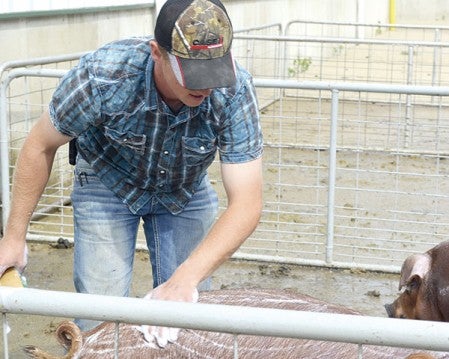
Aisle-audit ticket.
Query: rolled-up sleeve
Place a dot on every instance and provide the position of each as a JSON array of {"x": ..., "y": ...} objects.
[{"x": 241, "y": 137}]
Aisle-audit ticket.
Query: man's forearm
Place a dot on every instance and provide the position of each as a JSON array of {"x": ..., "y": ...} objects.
[
  {"x": 30, "y": 178},
  {"x": 232, "y": 228},
  {"x": 31, "y": 175},
  {"x": 243, "y": 185}
]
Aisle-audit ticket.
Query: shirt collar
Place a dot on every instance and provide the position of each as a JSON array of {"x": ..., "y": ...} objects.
[{"x": 151, "y": 95}]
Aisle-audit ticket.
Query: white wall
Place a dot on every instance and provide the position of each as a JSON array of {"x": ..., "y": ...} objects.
[
  {"x": 36, "y": 36},
  {"x": 429, "y": 12},
  {"x": 29, "y": 37},
  {"x": 23, "y": 38},
  {"x": 9, "y": 6},
  {"x": 251, "y": 13}
]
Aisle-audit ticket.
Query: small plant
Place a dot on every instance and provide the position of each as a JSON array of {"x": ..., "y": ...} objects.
[
  {"x": 337, "y": 50},
  {"x": 378, "y": 31},
  {"x": 300, "y": 65}
]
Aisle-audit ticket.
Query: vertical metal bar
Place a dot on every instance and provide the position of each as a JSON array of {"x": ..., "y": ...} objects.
[
  {"x": 436, "y": 52},
  {"x": 5, "y": 337},
  {"x": 408, "y": 104},
  {"x": 332, "y": 174},
  {"x": 410, "y": 65},
  {"x": 360, "y": 347},
  {"x": 4, "y": 153},
  {"x": 359, "y": 27},
  {"x": 116, "y": 339},
  {"x": 236, "y": 347}
]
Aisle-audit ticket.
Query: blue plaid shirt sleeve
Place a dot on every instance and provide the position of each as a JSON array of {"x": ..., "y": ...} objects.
[
  {"x": 76, "y": 103},
  {"x": 240, "y": 138}
]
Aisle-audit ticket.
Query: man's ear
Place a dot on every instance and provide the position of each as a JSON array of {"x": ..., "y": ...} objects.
[{"x": 155, "y": 51}]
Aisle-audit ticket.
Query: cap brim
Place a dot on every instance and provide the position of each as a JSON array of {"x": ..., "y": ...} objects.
[{"x": 196, "y": 74}]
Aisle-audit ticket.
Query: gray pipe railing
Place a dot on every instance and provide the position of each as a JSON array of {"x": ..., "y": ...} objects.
[{"x": 233, "y": 319}]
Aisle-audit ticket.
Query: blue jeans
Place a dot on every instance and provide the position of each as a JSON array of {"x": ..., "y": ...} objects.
[{"x": 105, "y": 235}]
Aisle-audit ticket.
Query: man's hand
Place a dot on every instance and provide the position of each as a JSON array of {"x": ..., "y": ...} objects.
[
  {"x": 13, "y": 254},
  {"x": 164, "y": 335}
]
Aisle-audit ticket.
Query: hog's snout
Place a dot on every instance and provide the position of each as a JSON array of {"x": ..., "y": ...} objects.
[{"x": 390, "y": 310}]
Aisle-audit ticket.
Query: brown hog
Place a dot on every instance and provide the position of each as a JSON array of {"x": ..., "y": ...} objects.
[
  {"x": 194, "y": 344},
  {"x": 425, "y": 278}
]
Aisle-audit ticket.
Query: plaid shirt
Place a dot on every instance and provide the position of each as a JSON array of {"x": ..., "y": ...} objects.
[{"x": 133, "y": 141}]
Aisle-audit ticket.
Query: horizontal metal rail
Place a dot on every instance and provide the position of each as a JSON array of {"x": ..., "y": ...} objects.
[
  {"x": 340, "y": 40},
  {"x": 354, "y": 86},
  {"x": 230, "y": 319},
  {"x": 276, "y": 25},
  {"x": 361, "y": 24},
  {"x": 39, "y": 61}
]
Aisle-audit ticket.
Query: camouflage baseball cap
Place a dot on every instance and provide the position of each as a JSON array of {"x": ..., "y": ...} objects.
[{"x": 197, "y": 35}]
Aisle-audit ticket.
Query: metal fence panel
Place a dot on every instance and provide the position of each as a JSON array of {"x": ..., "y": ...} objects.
[
  {"x": 388, "y": 178},
  {"x": 412, "y": 54},
  {"x": 356, "y": 175},
  {"x": 384, "y": 197}
]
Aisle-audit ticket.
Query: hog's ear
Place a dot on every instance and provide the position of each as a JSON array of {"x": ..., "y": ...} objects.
[
  {"x": 415, "y": 265},
  {"x": 413, "y": 284}
]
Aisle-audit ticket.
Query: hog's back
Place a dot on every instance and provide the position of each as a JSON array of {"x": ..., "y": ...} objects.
[{"x": 194, "y": 344}]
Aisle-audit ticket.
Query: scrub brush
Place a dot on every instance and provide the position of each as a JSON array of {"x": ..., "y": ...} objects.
[{"x": 12, "y": 278}]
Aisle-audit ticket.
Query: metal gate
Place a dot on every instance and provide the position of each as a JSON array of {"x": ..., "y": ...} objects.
[{"x": 355, "y": 172}]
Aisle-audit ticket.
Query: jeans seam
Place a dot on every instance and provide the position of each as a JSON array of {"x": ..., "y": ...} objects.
[{"x": 157, "y": 254}]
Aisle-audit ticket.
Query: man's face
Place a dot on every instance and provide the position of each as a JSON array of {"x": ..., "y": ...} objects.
[
  {"x": 169, "y": 87},
  {"x": 192, "y": 98}
]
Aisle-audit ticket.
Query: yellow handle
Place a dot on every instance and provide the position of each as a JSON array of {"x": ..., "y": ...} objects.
[{"x": 11, "y": 278}]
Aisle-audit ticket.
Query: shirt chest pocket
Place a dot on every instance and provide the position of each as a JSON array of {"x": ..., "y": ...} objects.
[
  {"x": 198, "y": 151},
  {"x": 129, "y": 140}
]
